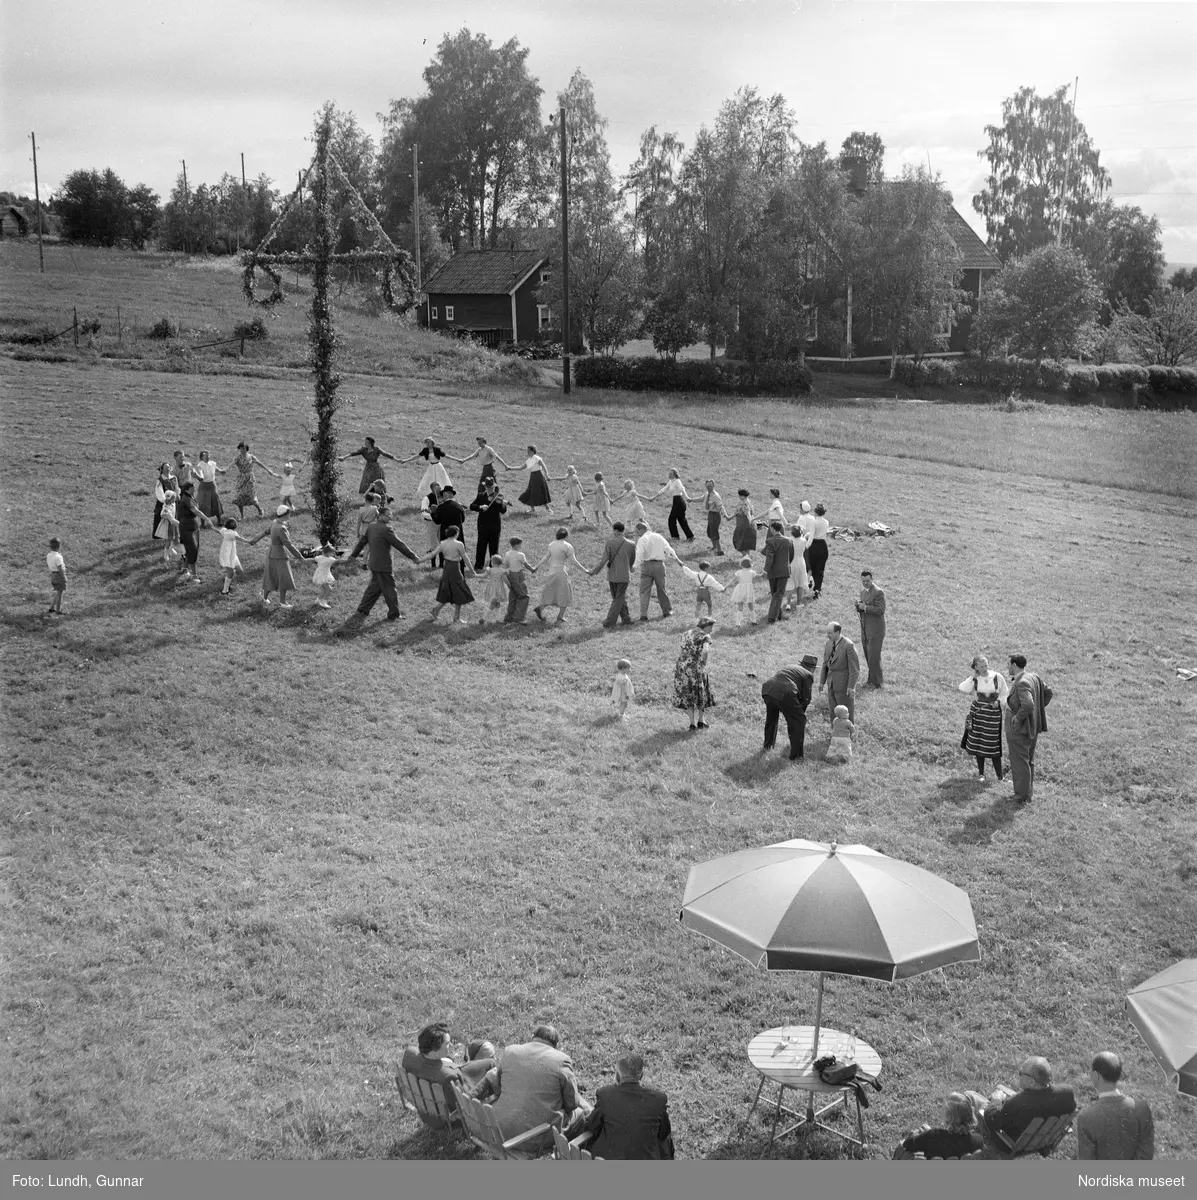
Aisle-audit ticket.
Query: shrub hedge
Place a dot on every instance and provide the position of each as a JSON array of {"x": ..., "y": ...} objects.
[
  {"x": 1078, "y": 382},
  {"x": 783, "y": 378}
]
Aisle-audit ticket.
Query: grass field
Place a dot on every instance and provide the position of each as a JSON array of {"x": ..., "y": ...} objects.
[{"x": 247, "y": 859}]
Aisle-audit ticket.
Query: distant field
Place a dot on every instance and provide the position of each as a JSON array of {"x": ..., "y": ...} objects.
[
  {"x": 249, "y": 859},
  {"x": 203, "y": 296}
]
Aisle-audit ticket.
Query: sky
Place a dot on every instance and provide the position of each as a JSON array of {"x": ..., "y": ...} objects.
[{"x": 140, "y": 86}]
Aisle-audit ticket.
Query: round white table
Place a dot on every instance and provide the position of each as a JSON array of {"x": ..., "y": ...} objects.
[{"x": 785, "y": 1056}]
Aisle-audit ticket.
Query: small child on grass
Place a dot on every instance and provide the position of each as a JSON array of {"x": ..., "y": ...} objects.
[
  {"x": 287, "y": 487},
  {"x": 494, "y": 593},
  {"x": 839, "y": 749},
  {"x": 573, "y": 495},
  {"x": 57, "y": 567},
  {"x": 743, "y": 595},
  {"x": 230, "y": 562},
  {"x": 706, "y": 583},
  {"x": 323, "y": 578},
  {"x": 602, "y": 499},
  {"x": 622, "y": 690},
  {"x": 168, "y": 527}
]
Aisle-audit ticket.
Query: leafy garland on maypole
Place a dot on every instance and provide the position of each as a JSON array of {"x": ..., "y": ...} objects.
[{"x": 398, "y": 291}]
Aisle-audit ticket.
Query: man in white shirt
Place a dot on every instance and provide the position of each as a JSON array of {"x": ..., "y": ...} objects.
[{"x": 651, "y": 551}]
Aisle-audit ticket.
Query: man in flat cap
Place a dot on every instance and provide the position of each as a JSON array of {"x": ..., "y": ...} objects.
[{"x": 788, "y": 693}]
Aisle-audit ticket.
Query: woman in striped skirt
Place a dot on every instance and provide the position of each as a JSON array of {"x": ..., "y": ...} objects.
[{"x": 983, "y": 726}]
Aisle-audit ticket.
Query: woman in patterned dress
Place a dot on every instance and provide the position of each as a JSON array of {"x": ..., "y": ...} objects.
[
  {"x": 247, "y": 487},
  {"x": 691, "y": 683}
]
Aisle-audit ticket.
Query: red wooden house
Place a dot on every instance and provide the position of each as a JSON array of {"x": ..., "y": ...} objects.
[{"x": 489, "y": 295}]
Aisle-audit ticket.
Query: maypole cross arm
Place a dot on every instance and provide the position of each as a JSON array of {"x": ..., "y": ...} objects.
[{"x": 396, "y": 264}]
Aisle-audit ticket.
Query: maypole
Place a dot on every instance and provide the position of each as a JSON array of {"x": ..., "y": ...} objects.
[{"x": 325, "y": 178}]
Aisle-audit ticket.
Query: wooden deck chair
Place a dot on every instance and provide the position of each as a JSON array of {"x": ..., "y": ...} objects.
[
  {"x": 1041, "y": 1136},
  {"x": 425, "y": 1098},
  {"x": 482, "y": 1128},
  {"x": 573, "y": 1150}
]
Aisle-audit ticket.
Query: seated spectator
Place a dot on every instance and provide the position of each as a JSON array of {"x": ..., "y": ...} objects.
[
  {"x": 628, "y": 1119},
  {"x": 535, "y": 1083},
  {"x": 431, "y": 1058},
  {"x": 1114, "y": 1125},
  {"x": 957, "y": 1136},
  {"x": 1011, "y": 1114}
]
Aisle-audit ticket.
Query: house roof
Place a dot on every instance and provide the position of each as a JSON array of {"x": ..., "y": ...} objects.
[
  {"x": 485, "y": 272},
  {"x": 975, "y": 255}
]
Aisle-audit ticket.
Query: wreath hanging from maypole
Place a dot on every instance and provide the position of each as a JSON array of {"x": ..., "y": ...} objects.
[{"x": 394, "y": 268}]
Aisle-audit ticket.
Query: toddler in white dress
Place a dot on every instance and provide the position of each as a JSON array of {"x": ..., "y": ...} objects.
[
  {"x": 494, "y": 591},
  {"x": 622, "y": 691},
  {"x": 230, "y": 561},
  {"x": 743, "y": 595},
  {"x": 323, "y": 578}
]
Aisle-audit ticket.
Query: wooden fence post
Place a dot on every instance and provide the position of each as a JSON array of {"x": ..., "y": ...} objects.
[
  {"x": 75, "y": 325},
  {"x": 120, "y": 341},
  {"x": 243, "y": 355}
]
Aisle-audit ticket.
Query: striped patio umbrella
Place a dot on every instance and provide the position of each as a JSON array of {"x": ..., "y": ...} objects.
[
  {"x": 1164, "y": 1010},
  {"x": 814, "y": 906}
]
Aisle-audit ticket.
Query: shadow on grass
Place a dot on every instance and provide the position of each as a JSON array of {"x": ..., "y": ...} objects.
[
  {"x": 657, "y": 742},
  {"x": 429, "y": 1144},
  {"x": 959, "y": 789},
  {"x": 749, "y": 1139},
  {"x": 978, "y": 830},
  {"x": 759, "y": 767}
]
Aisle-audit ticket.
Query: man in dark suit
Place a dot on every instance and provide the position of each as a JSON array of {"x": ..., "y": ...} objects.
[
  {"x": 448, "y": 512},
  {"x": 490, "y": 507},
  {"x": 788, "y": 693},
  {"x": 871, "y": 607},
  {"x": 380, "y": 538},
  {"x": 779, "y": 550},
  {"x": 1038, "y": 1098},
  {"x": 1026, "y": 719},
  {"x": 841, "y": 670},
  {"x": 630, "y": 1120},
  {"x": 618, "y": 553},
  {"x": 1114, "y": 1125}
]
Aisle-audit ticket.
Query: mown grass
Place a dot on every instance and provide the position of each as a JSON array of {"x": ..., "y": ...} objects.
[{"x": 249, "y": 858}]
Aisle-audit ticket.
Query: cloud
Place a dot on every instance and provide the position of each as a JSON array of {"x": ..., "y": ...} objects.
[{"x": 1146, "y": 172}]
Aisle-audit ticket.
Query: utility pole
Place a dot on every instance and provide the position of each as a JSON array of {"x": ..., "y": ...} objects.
[
  {"x": 244, "y": 197},
  {"x": 564, "y": 259},
  {"x": 1067, "y": 161},
  {"x": 186, "y": 210},
  {"x": 37, "y": 203},
  {"x": 415, "y": 175}
]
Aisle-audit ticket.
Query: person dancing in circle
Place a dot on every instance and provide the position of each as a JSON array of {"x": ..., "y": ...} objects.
[
  {"x": 369, "y": 453},
  {"x": 676, "y": 490},
  {"x": 453, "y": 588},
  {"x": 536, "y": 494},
  {"x": 246, "y": 495},
  {"x": 487, "y": 456},
  {"x": 558, "y": 590}
]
